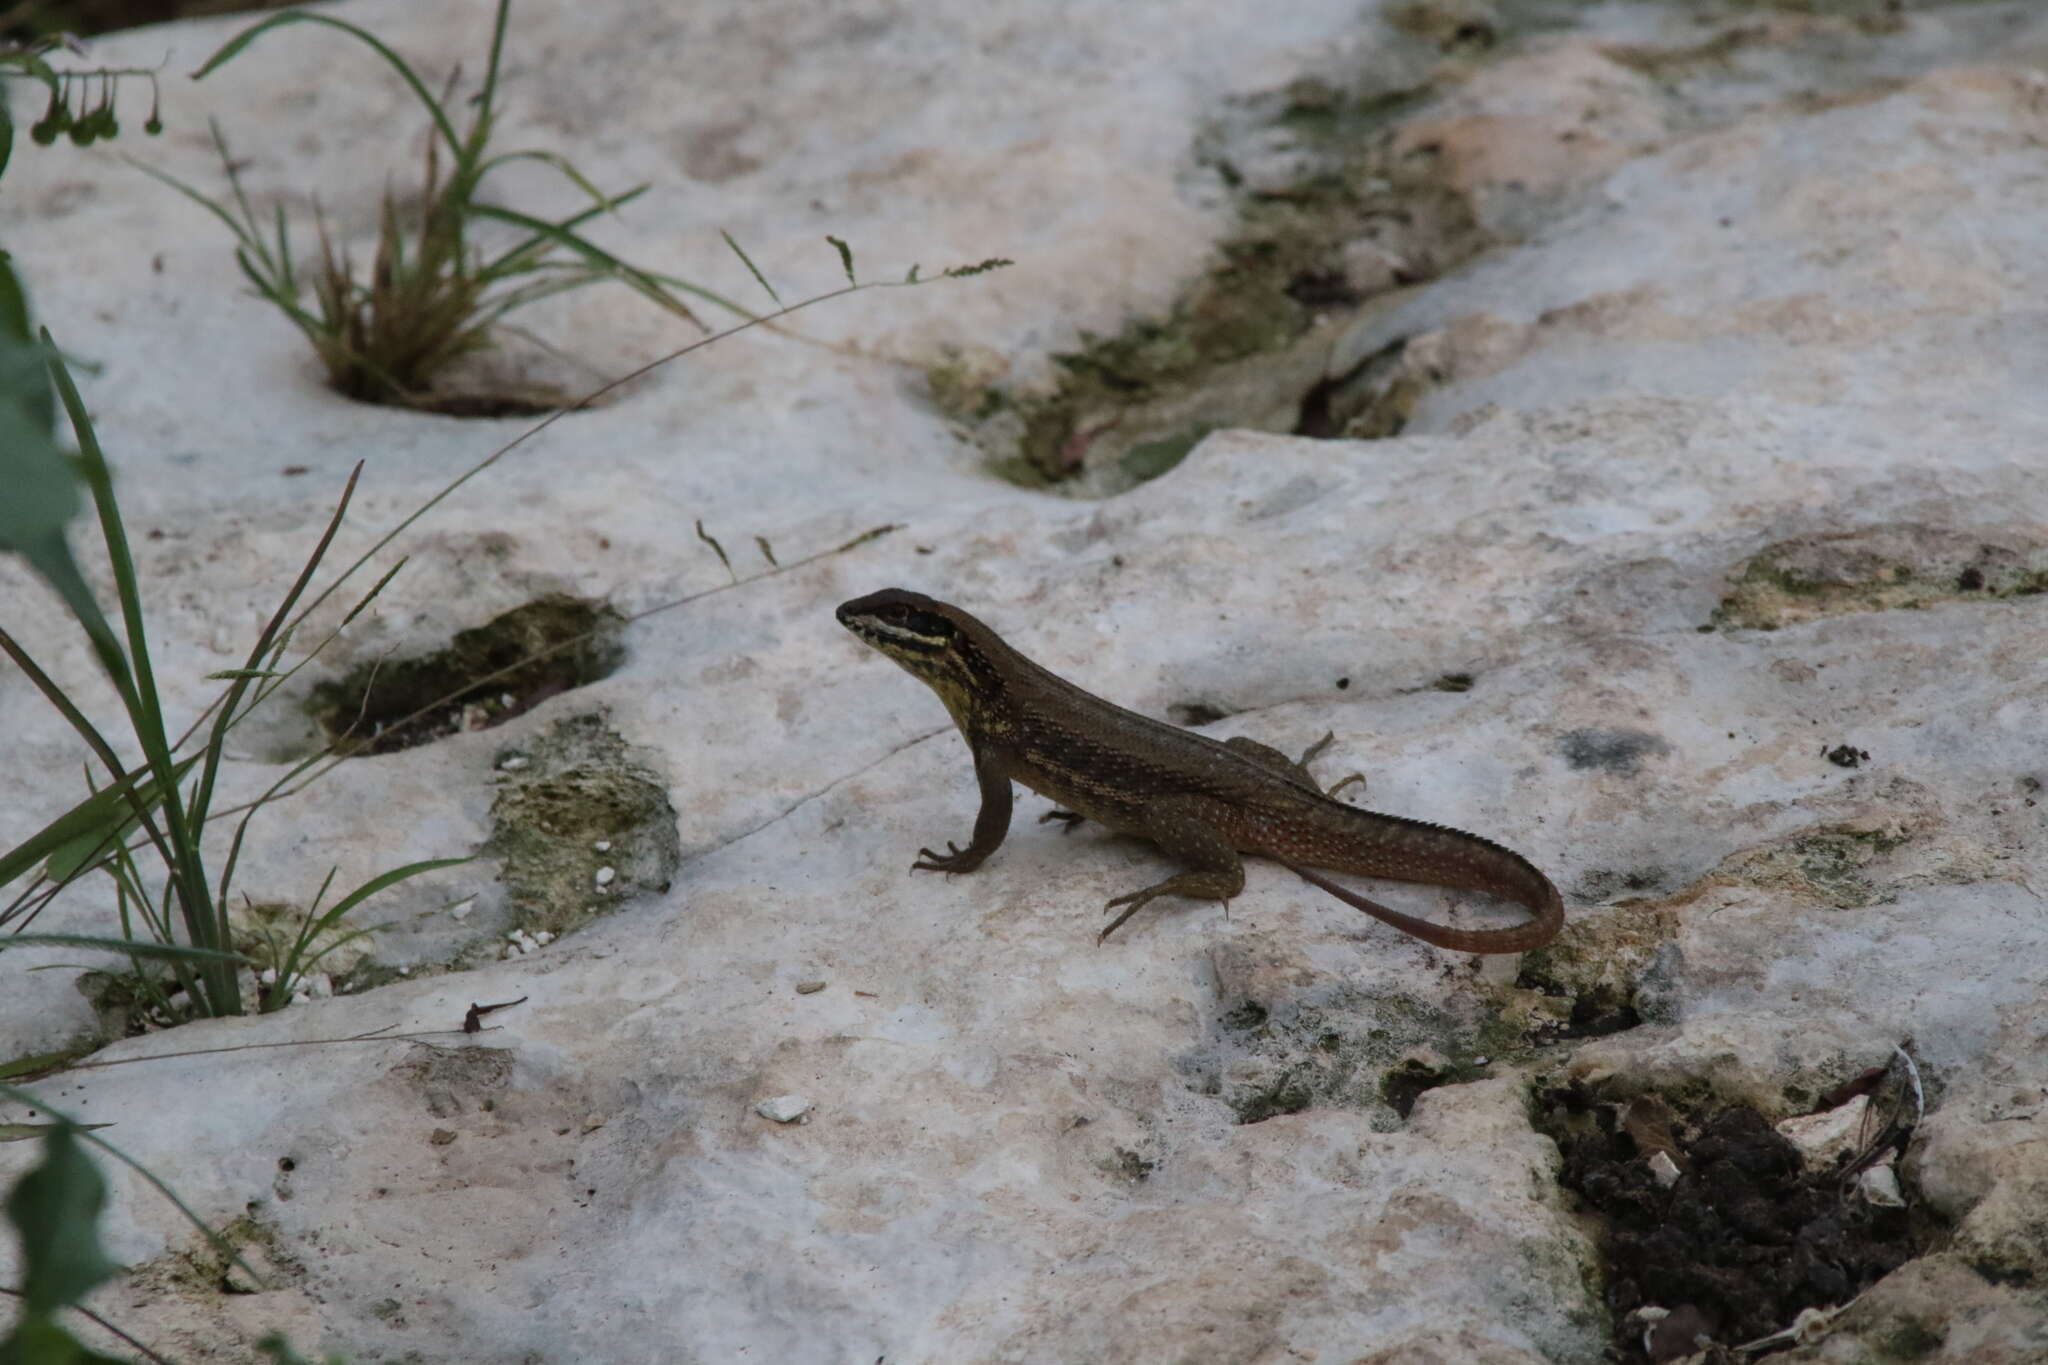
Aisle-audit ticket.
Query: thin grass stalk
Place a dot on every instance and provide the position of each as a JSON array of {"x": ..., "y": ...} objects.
[
  {"x": 202, "y": 796},
  {"x": 145, "y": 710},
  {"x": 120, "y": 773}
]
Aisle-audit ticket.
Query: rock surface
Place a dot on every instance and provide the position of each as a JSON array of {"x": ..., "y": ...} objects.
[{"x": 1706, "y": 569}]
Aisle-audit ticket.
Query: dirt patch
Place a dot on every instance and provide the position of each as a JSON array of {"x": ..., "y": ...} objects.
[
  {"x": 484, "y": 677},
  {"x": 1883, "y": 568},
  {"x": 1713, "y": 1227},
  {"x": 579, "y": 828}
]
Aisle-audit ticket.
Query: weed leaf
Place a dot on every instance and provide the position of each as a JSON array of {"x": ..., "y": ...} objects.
[
  {"x": 56, "y": 1208},
  {"x": 845, "y": 257},
  {"x": 86, "y": 830}
]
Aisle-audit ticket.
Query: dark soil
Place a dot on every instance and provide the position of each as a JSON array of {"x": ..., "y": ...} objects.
[{"x": 1738, "y": 1245}]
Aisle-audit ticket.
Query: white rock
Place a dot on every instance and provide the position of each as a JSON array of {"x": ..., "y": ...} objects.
[
  {"x": 1825, "y": 1137},
  {"x": 1880, "y": 1185},
  {"x": 1806, "y": 322},
  {"x": 785, "y": 1109}
]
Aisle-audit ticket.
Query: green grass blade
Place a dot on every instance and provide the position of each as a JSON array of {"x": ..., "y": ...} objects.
[
  {"x": 752, "y": 269},
  {"x": 145, "y": 709},
  {"x": 220, "y": 1244},
  {"x": 80, "y": 835},
  {"x": 237, "y": 44},
  {"x": 604, "y": 202},
  {"x": 643, "y": 283},
  {"x": 382, "y": 882},
  {"x": 202, "y": 797}
]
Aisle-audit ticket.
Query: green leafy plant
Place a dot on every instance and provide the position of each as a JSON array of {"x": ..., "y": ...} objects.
[
  {"x": 431, "y": 293},
  {"x": 55, "y": 1210},
  {"x": 166, "y": 799}
]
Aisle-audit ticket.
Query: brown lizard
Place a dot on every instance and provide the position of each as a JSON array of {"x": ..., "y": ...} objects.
[{"x": 1203, "y": 802}]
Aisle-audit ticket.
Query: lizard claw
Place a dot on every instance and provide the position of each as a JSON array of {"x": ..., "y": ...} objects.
[
  {"x": 1135, "y": 901},
  {"x": 928, "y": 861}
]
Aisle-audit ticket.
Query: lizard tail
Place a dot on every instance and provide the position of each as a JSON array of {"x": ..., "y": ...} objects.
[{"x": 1542, "y": 900}]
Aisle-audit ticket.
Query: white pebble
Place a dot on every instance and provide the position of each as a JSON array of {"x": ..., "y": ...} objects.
[
  {"x": 784, "y": 1108},
  {"x": 1664, "y": 1168},
  {"x": 605, "y": 876},
  {"x": 603, "y": 845},
  {"x": 543, "y": 938},
  {"x": 1823, "y": 1137},
  {"x": 1880, "y": 1185},
  {"x": 268, "y": 976},
  {"x": 513, "y": 764}
]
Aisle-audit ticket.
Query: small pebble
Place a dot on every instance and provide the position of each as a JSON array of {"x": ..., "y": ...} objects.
[
  {"x": 603, "y": 845},
  {"x": 784, "y": 1108},
  {"x": 1880, "y": 1185},
  {"x": 1664, "y": 1168},
  {"x": 809, "y": 987},
  {"x": 605, "y": 875},
  {"x": 512, "y": 764}
]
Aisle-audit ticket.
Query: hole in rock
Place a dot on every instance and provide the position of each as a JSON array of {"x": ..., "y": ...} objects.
[{"x": 484, "y": 677}]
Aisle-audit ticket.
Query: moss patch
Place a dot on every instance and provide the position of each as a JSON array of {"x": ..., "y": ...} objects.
[
  {"x": 573, "y": 805},
  {"x": 1343, "y": 1049},
  {"x": 1885, "y": 568},
  {"x": 1246, "y": 343},
  {"x": 483, "y": 678},
  {"x": 1838, "y": 865}
]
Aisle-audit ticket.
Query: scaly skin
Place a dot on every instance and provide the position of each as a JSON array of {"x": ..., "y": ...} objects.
[{"x": 1203, "y": 802}]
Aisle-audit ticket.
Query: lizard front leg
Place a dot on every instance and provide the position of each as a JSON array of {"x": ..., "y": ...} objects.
[
  {"x": 990, "y": 826},
  {"x": 1183, "y": 829}
]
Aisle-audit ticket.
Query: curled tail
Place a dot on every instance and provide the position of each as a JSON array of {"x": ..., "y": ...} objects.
[
  {"x": 1547, "y": 907},
  {"x": 1413, "y": 851}
]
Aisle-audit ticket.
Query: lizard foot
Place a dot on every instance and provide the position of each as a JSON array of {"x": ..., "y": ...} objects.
[{"x": 954, "y": 859}]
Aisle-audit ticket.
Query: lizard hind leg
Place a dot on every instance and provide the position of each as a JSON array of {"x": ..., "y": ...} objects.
[
  {"x": 1294, "y": 770},
  {"x": 1182, "y": 828}
]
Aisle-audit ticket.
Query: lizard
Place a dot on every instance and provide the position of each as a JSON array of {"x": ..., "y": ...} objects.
[{"x": 1205, "y": 803}]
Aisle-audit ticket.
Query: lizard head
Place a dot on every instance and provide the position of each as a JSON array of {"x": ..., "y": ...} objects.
[{"x": 937, "y": 643}]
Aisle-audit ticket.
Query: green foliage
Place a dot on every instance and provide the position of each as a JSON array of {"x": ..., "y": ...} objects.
[
  {"x": 69, "y": 92},
  {"x": 167, "y": 798},
  {"x": 431, "y": 295},
  {"x": 55, "y": 1209}
]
